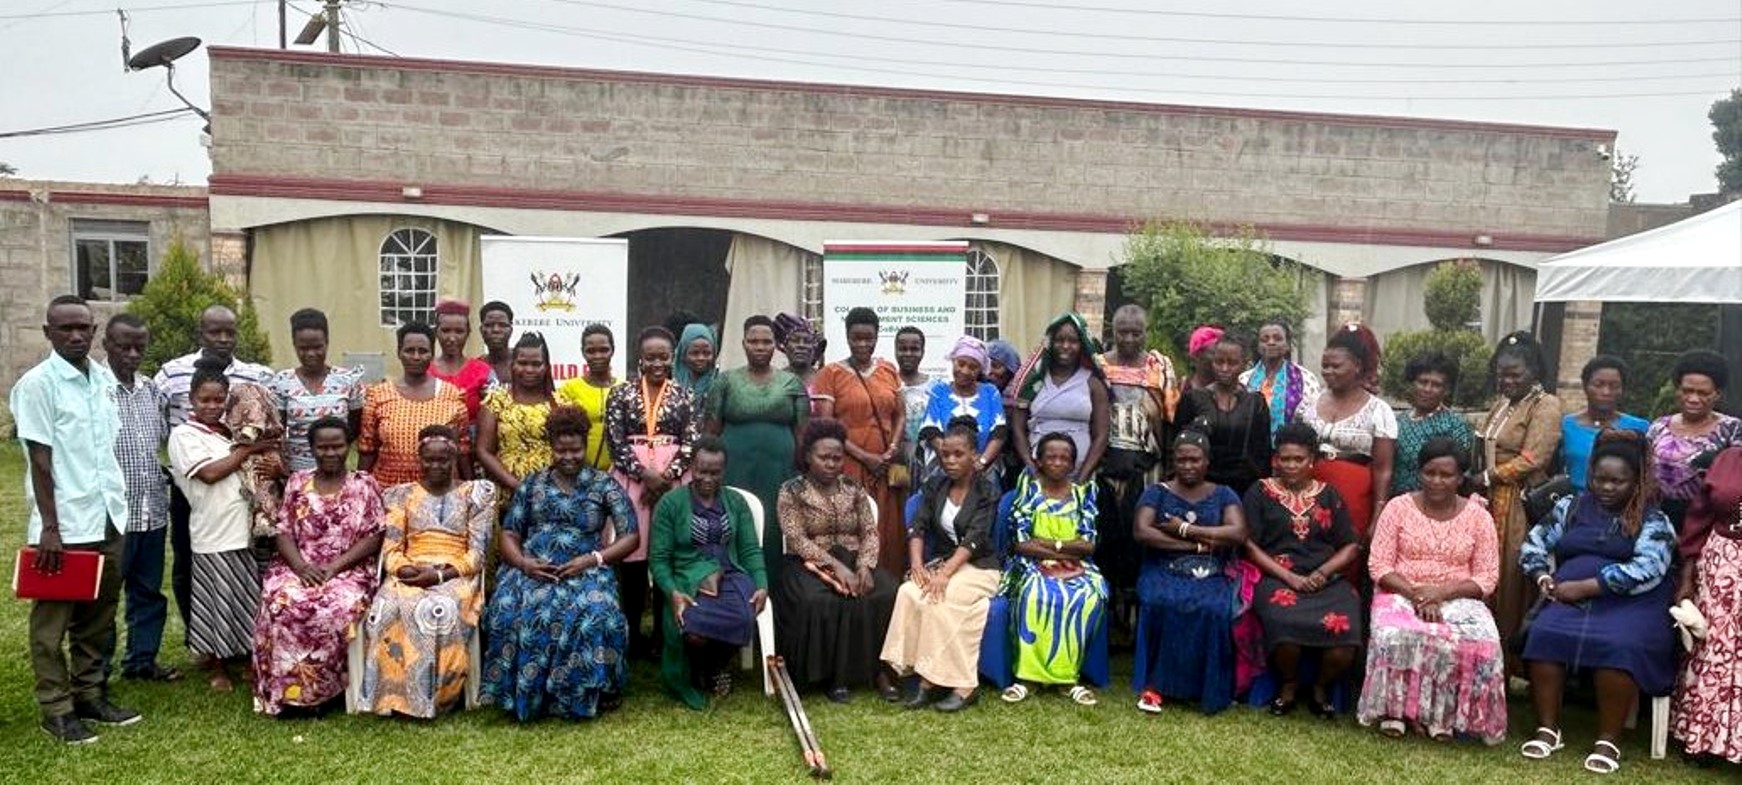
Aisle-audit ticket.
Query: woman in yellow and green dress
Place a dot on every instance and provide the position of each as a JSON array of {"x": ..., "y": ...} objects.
[
  {"x": 1059, "y": 594},
  {"x": 511, "y": 441}
]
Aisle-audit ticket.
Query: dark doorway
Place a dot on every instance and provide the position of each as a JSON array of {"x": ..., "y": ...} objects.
[{"x": 676, "y": 269}]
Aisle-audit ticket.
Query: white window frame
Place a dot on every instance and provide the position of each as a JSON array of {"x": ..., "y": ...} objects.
[
  {"x": 110, "y": 232},
  {"x": 390, "y": 253},
  {"x": 981, "y": 321}
]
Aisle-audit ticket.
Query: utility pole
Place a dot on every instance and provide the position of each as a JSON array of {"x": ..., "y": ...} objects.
[
  {"x": 283, "y": 42},
  {"x": 332, "y": 12}
]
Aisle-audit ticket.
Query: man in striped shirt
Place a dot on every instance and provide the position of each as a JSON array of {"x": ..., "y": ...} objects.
[{"x": 217, "y": 338}]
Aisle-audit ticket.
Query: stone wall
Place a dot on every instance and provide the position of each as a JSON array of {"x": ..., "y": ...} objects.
[
  {"x": 659, "y": 140},
  {"x": 36, "y": 255}
]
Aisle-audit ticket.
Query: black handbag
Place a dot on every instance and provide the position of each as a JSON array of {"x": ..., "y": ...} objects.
[{"x": 1539, "y": 500}]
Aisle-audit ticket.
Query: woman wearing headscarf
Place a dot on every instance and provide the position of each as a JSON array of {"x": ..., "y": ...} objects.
[
  {"x": 798, "y": 340},
  {"x": 1002, "y": 361},
  {"x": 1283, "y": 382},
  {"x": 1198, "y": 347},
  {"x": 1063, "y": 389},
  {"x": 965, "y": 395},
  {"x": 697, "y": 367},
  {"x": 864, "y": 395}
]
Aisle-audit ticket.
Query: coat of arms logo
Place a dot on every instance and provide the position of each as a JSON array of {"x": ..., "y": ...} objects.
[
  {"x": 894, "y": 281},
  {"x": 554, "y": 292}
]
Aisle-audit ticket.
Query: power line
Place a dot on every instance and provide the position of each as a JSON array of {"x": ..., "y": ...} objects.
[
  {"x": 738, "y": 51},
  {"x": 983, "y": 28},
  {"x": 1074, "y": 8},
  {"x": 101, "y": 125},
  {"x": 130, "y": 10},
  {"x": 613, "y": 36}
]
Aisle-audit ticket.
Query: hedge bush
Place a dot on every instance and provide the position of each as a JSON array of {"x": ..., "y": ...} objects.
[{"x": 173, "y": 300}]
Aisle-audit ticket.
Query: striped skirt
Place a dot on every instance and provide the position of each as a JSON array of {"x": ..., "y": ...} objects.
[{"x": 225, "y": 596}]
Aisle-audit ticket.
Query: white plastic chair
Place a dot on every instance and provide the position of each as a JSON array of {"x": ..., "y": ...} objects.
[
  {"x": 1659, "y": 724},
  {"x": 765, "y": 619},
  {"x": 355, "y": 652}
]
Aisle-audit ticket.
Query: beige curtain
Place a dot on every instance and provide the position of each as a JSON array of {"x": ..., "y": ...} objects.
[
  {"x": 1033, "y": 288},
  {"x": 766, "y": 278},
  {"x": 334, "y": 264},
  {"x": 1395, "y": 299}
]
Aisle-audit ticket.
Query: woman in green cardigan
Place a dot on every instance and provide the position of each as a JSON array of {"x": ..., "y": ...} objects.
[{"x": 705, "y": 558}]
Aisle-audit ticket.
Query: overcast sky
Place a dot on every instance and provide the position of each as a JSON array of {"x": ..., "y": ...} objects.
[{"x": 1583, "y": 63}]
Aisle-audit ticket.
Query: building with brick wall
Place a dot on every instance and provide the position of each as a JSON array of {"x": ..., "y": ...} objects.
[
  {"x": 102, "y": 242},
  {"x": 329, "y": 170}
]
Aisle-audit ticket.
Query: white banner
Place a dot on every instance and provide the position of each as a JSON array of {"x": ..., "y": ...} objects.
[
  {"x": 919, "y": 284},
  {"x": 559, "y": 285}
]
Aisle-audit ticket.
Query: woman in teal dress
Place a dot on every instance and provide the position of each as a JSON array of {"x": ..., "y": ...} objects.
[
  {"x": 758, "y": 411},
  {"x": 1060, "y": 597},
  {"x": 558, "y": 639},
  {"x": 1431, "y": 377},
  {"x": 1605, "y": 380}
]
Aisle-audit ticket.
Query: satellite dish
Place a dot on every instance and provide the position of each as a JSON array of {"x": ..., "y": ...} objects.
[{"x": 164, "y": 53}]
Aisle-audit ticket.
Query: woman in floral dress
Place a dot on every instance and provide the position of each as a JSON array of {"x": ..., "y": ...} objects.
[
  {"x": 329, "y": 530},
  {"x": 1435, "y": 663},
  {"x": 1302, "y": 540}
]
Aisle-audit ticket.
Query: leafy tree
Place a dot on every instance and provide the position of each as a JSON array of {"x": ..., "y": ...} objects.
[
  {"x": 1621, "y": 169},
  {"x": 1452, "y": 300},
  {"x": 173, "y": 300},
  {"x": 1187, "y": 277},
  {"x": 7, "y": 170},
  {"x": 1726, "y": 117},
  {"x": 1636, "y": 332}
]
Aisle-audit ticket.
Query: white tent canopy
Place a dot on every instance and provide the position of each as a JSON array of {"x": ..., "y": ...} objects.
[{"x": 1695, "y": 260}]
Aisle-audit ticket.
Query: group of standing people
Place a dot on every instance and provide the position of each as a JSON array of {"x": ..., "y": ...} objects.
[{"x": 1250, "y": 524}]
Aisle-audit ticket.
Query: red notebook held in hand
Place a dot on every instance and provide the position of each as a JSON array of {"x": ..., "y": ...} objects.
[{"x": 80, "y": 576}]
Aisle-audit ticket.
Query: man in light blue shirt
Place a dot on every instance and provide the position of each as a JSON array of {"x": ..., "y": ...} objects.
[{"x": 77, "y": 496}]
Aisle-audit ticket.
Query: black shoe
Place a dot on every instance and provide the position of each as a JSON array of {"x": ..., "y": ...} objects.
[
  {"x": 68, "y": 729},
  {"x": 954, "y": 701},
  {"x": 1280, "y": 707},
  {"x": 839, "y": 695},
  {"x": 919, "y": 699},
  {"x": 106, "y": 713},
  {"x": 1322, "y": 707},
  {"x": 889, "y": 692},
  {"x": 154, "y": 673}
]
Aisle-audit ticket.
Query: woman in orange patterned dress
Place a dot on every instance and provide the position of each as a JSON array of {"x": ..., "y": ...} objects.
[
  {"x": 395, "y": 411},
  {"x": 416, "y": 635}
]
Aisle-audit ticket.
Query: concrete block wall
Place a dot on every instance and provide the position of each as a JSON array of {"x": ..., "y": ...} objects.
[
  {"x": 422, "y": 122},
  {"x": 36, "y": 256}
]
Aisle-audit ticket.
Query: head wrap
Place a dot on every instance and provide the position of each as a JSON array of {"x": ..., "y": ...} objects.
[
  {"x": 1032, "y": 375},
  {"x": 1005, "y": 353},
  {"x": 787, "y": 325},
  {"x": 1193, "y": 437},
  {"x": 681, "y": 372},
  {"x": 1203, "y": 337},
  {"x": 969, "y": 348}
]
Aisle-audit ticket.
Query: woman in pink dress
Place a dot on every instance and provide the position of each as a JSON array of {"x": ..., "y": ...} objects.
[
  {"x": 329, "y": 532},
  {"x": 1434, "y": 664}
]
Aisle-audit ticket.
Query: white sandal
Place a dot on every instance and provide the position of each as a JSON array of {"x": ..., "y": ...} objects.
[
  {"x": 1014, "y": 693},
  {"x": 1082, "y": 695},
  {"x": 1599, "y": 763},
  {"x": 1537, "y": 749},
  {"x": 1393, "y": 728}
]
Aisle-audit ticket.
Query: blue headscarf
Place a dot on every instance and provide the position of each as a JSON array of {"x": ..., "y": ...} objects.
[{"x": 681, "y": 372}]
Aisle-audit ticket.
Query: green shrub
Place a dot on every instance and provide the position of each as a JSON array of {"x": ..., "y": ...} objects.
[
  {"x": 1453, "y": 295},
  {"x": 172, "y": 302},
  {"x": 1185, "y": 277},
  {"x": 1466, "y": 347}
]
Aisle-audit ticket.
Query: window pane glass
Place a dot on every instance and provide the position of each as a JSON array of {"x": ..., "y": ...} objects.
[
  {"x": 91, "y": 269},
  {"x": 132, "y": 267}
]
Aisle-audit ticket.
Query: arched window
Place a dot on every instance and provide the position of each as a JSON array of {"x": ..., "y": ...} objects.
[
  {"x": 409, "y": 261},
  {"x": 980, "y": 315}
]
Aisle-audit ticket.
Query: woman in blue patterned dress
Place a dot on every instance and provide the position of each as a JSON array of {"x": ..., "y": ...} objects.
[
  {"x": 1190, "y": 529},
  {"x": 558, "y": 638}
]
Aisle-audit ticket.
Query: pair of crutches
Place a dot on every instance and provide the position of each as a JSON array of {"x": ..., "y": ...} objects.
[{"x": 801, "y": 724}]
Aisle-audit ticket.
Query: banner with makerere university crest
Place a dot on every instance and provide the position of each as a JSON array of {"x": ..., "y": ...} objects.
[
  {"x": 919, "y": 284},
  {"x": 557, "y": 286}
]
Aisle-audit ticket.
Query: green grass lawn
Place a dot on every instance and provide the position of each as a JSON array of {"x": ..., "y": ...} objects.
[{"x": 192, "y": 735}]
